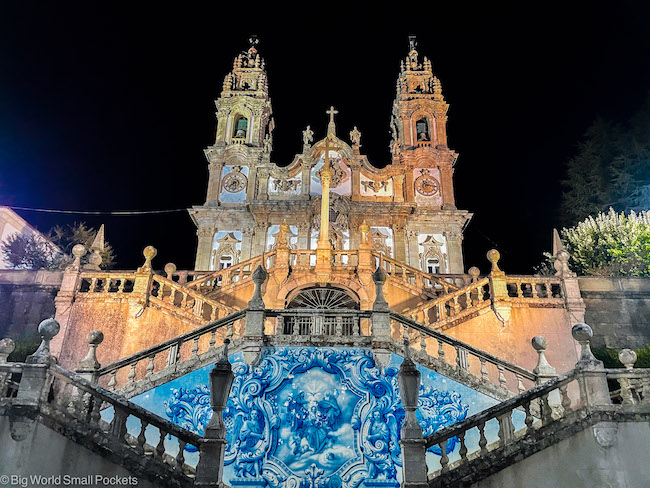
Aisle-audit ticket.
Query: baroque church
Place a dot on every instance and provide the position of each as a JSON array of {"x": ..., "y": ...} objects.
[
  {"x": 408, "y": 204},
  {"x": 330, "y": 335}
]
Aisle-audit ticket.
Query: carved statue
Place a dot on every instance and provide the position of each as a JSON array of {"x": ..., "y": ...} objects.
[
  {"x": 307, "y": 136},
  {"x": 355, "y": 136},
  {"x": 251, "y": 434}
]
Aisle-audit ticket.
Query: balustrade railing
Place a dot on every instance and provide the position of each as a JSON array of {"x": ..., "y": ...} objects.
[
  {"x": 535, "y": 287},
  {"x": 106, "y": 282},
  {"x": 500, "y": 425},
  {"x": 9, "y": 380},
  {"x": 103, "y": 411},
  {"x": 144, "y": 366},
  {"x": 187, "y": 300},
  {"x": 488, "y": 370},
  {"x": 237, "y": 273},
  {"x": 454, "y": 305},
  {"x": 413, "y": 276},
  {"x": 629, "y": 386},
  {"x": 319, "y": 323}
]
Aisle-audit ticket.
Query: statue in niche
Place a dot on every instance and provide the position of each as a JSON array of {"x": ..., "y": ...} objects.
[{"x": 249, "y": 438}]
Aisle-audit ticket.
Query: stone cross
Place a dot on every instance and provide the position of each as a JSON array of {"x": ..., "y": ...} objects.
[{"x": 331, "y": 128}]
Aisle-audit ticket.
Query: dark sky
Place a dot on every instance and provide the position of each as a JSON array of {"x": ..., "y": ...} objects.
[{"x": 109, "y": 107}]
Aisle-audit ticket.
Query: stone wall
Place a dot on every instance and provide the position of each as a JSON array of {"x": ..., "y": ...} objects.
[
  {"x": 618, "y": 310},
  {"x": 47, "y": 453},
  {"x": 26, "y": 298},
  {"x": 607, "y": 454}
]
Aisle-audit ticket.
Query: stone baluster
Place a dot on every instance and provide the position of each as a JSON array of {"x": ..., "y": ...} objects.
[
  {"x": 209, "y": 470},
  {"x": 414, "y": 466},
  {"x": 89, "y": 366},
  {"x": 66, "y": 296},
  {"x": 170, "y": 269},
  {"x": 543, "y": 371},
  {"x": 593, "y": 380},
  {"x": 34, "y": 383}
]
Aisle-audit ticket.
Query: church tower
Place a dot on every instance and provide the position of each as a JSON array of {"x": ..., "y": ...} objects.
[
  {"x": 419, "y": 128},
  {"x": 243, "y": 143}
]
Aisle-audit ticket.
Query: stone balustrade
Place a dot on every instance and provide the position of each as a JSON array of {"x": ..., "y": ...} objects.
[
  {"x": 319, "y": 325},
  {"x": 540, "y": 406},
  {"x": 105, "y": 412},
  {"x": 117, "y": 282},
  {"x": 185, "y": 300},
  {"x": 535, "y": 288},
  {"x": 480, "y": 368},
  {"x": 413, "y": 276},
  {"x": 214, "y": 280},
  {"x": 454, "y": 306},
  {"x": 154, "y": 365}
]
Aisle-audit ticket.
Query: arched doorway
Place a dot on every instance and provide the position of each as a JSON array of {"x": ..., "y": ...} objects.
[{"x": 322, "y": 312}]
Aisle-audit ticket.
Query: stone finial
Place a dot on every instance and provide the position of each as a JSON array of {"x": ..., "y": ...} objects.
[
  {"x": 493, "y": 256},
  {"x": 90, "y": 363},
  {"x": 259, "y": 277},
  {"x": 628, "y": 357},
  {"x": 582, "y": 333},
  {"x": 474, "y": 272},
  {"x": 78, "y": 252},
  {"x": 543, "y": 368},
  {"x": 7, "y": 346},
  {"x": 355, "y": 136},
  {"x": 170, "y": 269},
  {"x": 47, "y": 329},
  {"x": 149, "y": 253},
  {"x": 561, "y": 264},
  {"x": 380, "y": 277},
  {"x": 94, "y": 260}
]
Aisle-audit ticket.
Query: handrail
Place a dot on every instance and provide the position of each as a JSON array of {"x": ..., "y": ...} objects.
[
  {"x": 163, "y": 346},
  {"x": 415, "y": 272},
  {"x": 119, "y": 401},
  {"x": 221, "y": 272},
  {"x": 456, "y": 342},
  {"x": 500, "y": 409}
]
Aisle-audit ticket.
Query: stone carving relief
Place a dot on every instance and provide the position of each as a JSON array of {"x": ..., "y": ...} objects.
[{"x": 284, "y": 185}]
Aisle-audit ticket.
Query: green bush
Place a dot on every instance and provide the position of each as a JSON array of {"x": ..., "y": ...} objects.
[{"x": 610, "y": 357}]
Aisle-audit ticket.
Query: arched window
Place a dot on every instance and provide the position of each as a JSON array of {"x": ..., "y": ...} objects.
[
  {"x": 422, "y": 130},
  {"x": 241, "y": 127}
]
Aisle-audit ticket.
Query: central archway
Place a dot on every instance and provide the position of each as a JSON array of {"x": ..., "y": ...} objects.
[{"x": 323, "y": 298}]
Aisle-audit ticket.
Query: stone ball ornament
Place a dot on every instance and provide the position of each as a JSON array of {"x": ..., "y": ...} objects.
[
  {"x": 539, "y": 343},
  {"x": 149, "y": 252},
  {"x": 582, "y": 333},
  {"x": 170, "y": 268},
  {"x": 474, "y": 272},
  {"x": 627, "y": 357},
  {"x": 48, "y": 328},
  {"x": 78, "y": 250},
  {"x": 95, "y": 337}
]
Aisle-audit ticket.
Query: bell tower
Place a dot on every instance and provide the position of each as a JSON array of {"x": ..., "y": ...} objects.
[
  {"x": 419, "y": 128},
  {"x": 244, "y": 122}
]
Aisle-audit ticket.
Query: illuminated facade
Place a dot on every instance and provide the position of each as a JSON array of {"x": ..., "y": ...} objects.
[{"x": 409, "y": 204}]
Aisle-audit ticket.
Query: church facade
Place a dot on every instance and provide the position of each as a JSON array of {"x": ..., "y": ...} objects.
[{"x": 409, "y": 204}]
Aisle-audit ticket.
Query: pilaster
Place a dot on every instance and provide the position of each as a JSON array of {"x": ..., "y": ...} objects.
[{"x": 205, "y": 237}]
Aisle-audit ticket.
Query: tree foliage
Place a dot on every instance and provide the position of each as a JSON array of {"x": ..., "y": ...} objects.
[
  {"x": 610, "y": 169},
  {"x": 30, "y": 252},
  {"x": 33, "y": 252},
  {"x": 610, "y": 244}
]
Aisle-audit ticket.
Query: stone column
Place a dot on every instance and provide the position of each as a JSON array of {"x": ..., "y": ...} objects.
[
  {"x": 259, "y": 239},
  {"x": 304, "y": 235},
  {"x": 262, "y": 177},
  {"x": 255, "y": 316},
  {"x": 399, "y": 241},
  {"x": 409, "y": 184},
  {"x": 214, "y": 183},
  {"x": 398, "y": 188},
  {"x": 455, "y": 251},
  {"x": 65, "y": 298},
  {"x": 246, "y": 243},
  {"x": 448, "y": 201},
  {"x": 413, "y": 248},
  {"x": 205, "y": 237}
]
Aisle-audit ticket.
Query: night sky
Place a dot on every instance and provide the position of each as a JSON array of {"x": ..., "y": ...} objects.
[{"x": 107, "y": 107}]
